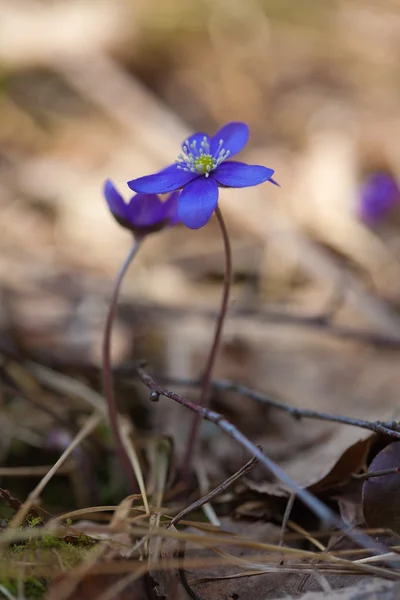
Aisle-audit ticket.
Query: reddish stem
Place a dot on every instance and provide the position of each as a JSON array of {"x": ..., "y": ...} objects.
[
  {"x": 206, "y": 379},
  {"x": 107, "y": 370}
]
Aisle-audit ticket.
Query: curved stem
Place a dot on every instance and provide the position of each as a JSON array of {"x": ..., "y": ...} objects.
[
  {"x": 107, "y": 370},
  {"x": 206, "y": 379}
]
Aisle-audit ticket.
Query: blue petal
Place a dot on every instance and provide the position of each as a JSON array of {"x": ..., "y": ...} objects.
[
  {"x": 171, "y": 208},
  {"x": 196, "y": 139},
  {"x": 167, "y": 180},
  {"x": 145, "y": 210},
  {"x": 197, "y": 202},
  {"x": 114, "y": 200},
  {"x": 237, "y": 174},
  {"x": 379, "y": 193},
  {"x": 234, "y": 135}
]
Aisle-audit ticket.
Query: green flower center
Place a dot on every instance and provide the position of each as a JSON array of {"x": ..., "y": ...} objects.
[
  {"x": 204, "y": 164},
  {"x": 199, "y": 160}
]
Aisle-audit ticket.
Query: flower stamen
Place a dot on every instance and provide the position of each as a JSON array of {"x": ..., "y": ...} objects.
[{"x": 200, "y": 160}]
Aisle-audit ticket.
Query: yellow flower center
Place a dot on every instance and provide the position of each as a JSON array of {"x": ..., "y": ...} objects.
[
  {"x": 204, "y": 164},
  {"x": 199, "y": 160}
]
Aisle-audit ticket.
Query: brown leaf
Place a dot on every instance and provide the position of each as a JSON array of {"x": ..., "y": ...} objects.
[
  {"x": 349, "y": 503},
  {"x": 351, "y": 461},
  {"x": 381, "y": 495},
  {"x": 325, "y": 466},
  {"x": 332, "y": 463}
]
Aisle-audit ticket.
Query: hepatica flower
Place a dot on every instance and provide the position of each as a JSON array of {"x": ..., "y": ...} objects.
[
  {"x": 143, "y": 213},
  {"x": 379, "y": 193},
  {"x": 202, "y": 168}
]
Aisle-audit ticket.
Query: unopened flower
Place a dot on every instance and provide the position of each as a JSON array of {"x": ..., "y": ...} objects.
[
  {"x": 143, "y": 213},
  {"x": 201, "y": 169},
  {"x": 379, "y": 193}
]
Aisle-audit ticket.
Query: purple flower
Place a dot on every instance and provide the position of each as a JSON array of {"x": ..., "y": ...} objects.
[
  {"x": 144, "y": 213},
  {"x": 379, "y": 193},
  {"x": 201, "y": 169}
]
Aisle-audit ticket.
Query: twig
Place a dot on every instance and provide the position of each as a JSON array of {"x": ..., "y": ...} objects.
[
  {"x": 313, "y": 503},
  {"x": 382, "y": 427},
  {"x": 371, "y": 474},
  {"x": 286, "y": 517},
  {"x": 206, "y": 379},
  {"x": 222, "y": 487},
  {"x": 204, "y": 487},
  {"x": 299, "y": 413}
]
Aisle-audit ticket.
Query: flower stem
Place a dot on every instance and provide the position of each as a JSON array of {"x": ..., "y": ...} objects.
[
  {"x": 107, "y": 370},
  {"x": 207, "y": 376}
]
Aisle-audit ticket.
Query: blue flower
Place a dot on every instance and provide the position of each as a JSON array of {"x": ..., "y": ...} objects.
[
  {"x": 378, "y": 195},
  {"x": 201, "y": 169},
  {"x": 144, "y": 213}
]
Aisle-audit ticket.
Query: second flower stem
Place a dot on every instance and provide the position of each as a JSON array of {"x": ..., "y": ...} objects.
[
  {"x": 107, "y": 371},
  {"x": 208, "y": 371}
]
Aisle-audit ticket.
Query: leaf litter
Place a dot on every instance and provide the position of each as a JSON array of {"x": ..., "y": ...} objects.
[{"x": 79, "y": 535}]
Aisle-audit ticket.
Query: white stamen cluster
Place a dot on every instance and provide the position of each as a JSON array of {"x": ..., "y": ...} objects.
[{"x": 199, "y": 160}]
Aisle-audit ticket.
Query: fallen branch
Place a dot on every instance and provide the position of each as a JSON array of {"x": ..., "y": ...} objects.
[
  {"x": 222, "y": 487},
  {"x": 382, "y": 427},
  {"x": 313, "y": 503}
]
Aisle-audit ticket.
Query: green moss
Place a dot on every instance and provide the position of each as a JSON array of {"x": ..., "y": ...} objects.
[
  {"x": 44, "y": 555},
  {"x": 41, "y": 550},
  {"x": 34, "y": 521},
  {"x": 33, "y": 588}
]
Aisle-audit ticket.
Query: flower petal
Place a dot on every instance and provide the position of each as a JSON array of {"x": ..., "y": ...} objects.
[
  {"x": 237, "y": 174},
  {"x": 196, "y": 139},
  {"x": 145, "y": 210},
  {"x": 197, "y": 202},
  {"x": 234, "y": 135},
  {"x": 114, "y": 200},
  {"x": 378, "y": 195},
  {"x": 171, "y": 208},
  {"x": 167, "y": 180}
]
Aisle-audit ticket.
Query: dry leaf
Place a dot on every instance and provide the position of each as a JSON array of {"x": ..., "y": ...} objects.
[
  {"x": 381, "y": 495},
  {"x": 324, "y": 466}
]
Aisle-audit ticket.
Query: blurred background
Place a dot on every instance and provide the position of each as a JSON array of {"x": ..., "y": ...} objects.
[{"x": 91, "y": 89}]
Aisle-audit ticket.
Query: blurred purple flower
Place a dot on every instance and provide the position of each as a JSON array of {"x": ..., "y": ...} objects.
[
  {"x": 58, "y": 439},
  {"x": 379, "y": 193},
  {"x": 201, "y": 169},
  {"x": 143, "y": 213}
]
